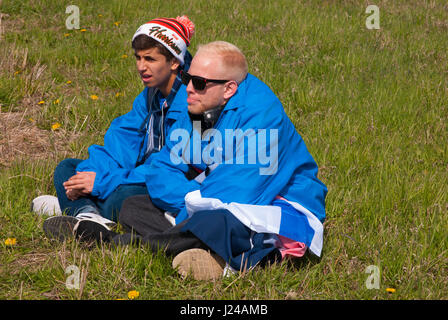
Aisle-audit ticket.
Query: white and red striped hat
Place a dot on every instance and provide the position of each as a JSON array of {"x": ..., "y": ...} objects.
[{"x": 174, "y": 34}]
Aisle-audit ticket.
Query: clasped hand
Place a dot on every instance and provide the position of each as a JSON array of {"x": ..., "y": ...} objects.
[{"x": 79, "y": 185}]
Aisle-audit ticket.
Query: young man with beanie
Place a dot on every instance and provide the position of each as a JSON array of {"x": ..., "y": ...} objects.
[{"x": 96, "y": 187}]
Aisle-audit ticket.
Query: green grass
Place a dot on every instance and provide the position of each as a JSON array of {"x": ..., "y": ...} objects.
[{"x": 370, "y": 104}]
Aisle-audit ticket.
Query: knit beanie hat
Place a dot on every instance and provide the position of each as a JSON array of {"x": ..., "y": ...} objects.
[{"x": 174, "y": 34}]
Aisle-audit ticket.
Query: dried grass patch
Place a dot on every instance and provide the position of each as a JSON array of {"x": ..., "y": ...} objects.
[{"x": 20, "y": 138}]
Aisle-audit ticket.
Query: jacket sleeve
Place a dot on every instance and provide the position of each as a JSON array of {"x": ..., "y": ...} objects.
[
  {"x": 166, "y": 181},
  {"x": 114, "y": 163}
]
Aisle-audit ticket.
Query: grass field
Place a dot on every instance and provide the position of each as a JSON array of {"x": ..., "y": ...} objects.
[{"x": 371, "y": 105}]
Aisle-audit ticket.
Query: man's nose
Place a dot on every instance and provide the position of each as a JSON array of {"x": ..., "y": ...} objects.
[
  {"x": 141, "y": 65},
  {"x": 190, "y": 88}
]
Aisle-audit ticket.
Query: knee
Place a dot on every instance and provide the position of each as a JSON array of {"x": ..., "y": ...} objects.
[
  {"x": 66, "y": 164},
  {"x": 131, "y": 206},
  {"x": 127, "y": 208},
  {"x": 64, "y": 170}
]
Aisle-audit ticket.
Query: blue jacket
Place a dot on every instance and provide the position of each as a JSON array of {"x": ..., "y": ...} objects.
[
  {"x": 121, "y": 160},
  {"x": 116, "y": 162},
  {"x": 242, "y": 174}
]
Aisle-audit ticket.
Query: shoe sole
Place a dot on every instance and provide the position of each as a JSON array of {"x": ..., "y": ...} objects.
[
  {"x": 88, "y": 230},
  {"x": 60, "y": 228},
  {"x": 200, "y": 264}
]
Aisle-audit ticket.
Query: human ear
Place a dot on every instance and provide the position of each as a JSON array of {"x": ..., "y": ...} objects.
[
  {"x": 175, "y": 64},
  {"x": 230, "y": 89}
]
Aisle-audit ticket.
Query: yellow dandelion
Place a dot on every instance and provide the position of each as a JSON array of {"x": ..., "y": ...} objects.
[
  {"x": 41, "y": 102},
  {"x": 17, "y": 72},
  {"x": 31, "y": 120},
  {"x": 118, "y": 94},
  {"x": 55, "y": 126},
  {"x": 66, "y": 34},
  {"x": 133, "y": 294},
  {"x": 124, "y": 56},
  {"x": 390, "y": 290},
  {"x": 83, "y": 30},
  {"x": 56, "y": 101},
  {"x": 117, "y": 23},
  {"x": 100, "y": 15},
  {"x": 94, "y": 97},
  {"x": 11, "y": 241},
  {"x": 68, "y": 81}
]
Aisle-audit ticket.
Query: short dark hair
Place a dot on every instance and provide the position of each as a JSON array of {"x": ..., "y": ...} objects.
[{"x": 144, "y": 42}]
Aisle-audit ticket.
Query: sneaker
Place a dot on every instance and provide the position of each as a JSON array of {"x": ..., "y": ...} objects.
[
  {"x": 46, "y": 204},
  {"x": 89, "y": 230},
  {"x": 108, "y": 224},
  {"x": 63, "y": 227},
  {"x": 200, "y": 264},
  {"x": 60, "y": 227}
]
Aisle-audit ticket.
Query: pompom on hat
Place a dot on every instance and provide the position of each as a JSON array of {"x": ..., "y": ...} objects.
[{"x": 174, "y": 34}]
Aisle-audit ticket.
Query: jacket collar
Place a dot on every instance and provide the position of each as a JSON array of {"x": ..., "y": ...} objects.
[{"x": 177, "y": 99}]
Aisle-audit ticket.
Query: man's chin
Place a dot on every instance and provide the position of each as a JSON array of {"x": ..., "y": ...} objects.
[
  {"x": 194, "y": 109},
  {"x": 149, "y": 83}
]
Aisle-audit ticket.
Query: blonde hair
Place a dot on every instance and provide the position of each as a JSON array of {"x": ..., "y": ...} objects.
[{"x": 233, "y": 59}]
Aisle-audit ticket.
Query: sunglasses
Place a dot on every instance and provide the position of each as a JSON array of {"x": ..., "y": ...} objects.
[{"x": 199, "y": 83}]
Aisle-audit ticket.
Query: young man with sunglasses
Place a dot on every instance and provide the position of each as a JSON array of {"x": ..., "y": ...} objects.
[
  {"x": 95, "y": 188},
  {"x": 225, "y": 200}
]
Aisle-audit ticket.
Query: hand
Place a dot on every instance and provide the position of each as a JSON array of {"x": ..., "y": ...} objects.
[
  {"x": 81, "y": 184},
  {"x": 74, "y": 194}
]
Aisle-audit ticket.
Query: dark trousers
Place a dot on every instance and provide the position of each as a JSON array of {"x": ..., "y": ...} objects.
[
  {"x": 108, "y": 208},
  {"x": 147, "y": 224}
]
